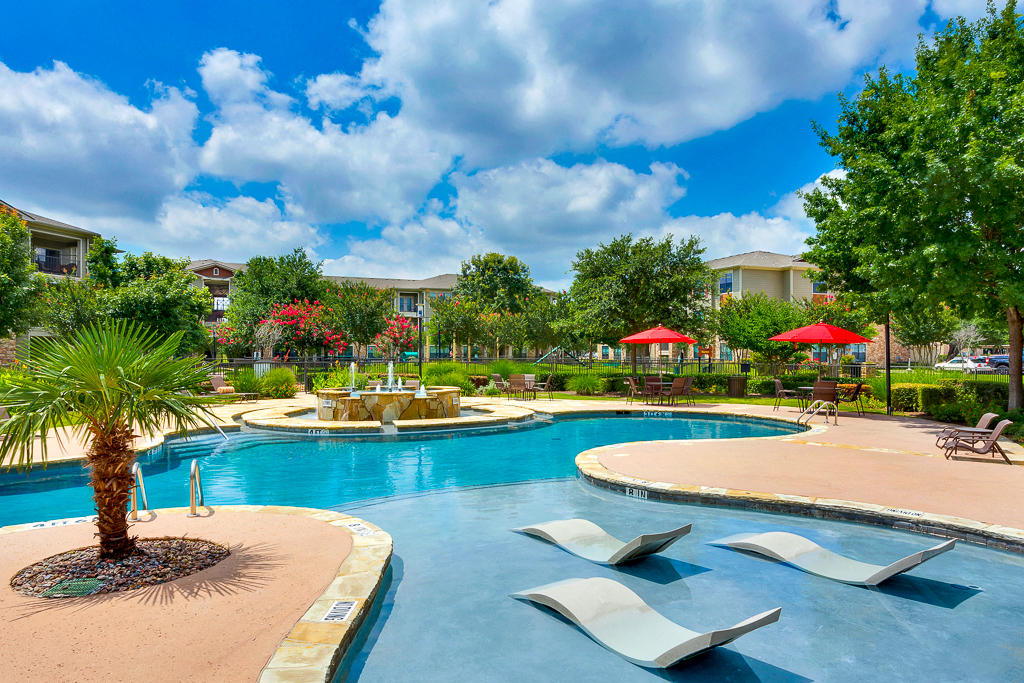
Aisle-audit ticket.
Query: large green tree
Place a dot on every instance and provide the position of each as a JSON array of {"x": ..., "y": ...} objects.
[
  {"x": 749, "y": 322},
  {"x": 266, "y": 281},
  {"x": 629, "y": 285},
  {"x": 455, "y": 317},
  {"x": 930, "y": 207},
  {"x": 20, "y": 281},
  {"x": 153, "y": 290},
  {"x": 496, "y": 282},
  {"x": 360, "y": 310}
]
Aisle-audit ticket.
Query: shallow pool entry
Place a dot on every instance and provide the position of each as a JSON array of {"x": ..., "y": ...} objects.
[{"x": 447, "y": 614}]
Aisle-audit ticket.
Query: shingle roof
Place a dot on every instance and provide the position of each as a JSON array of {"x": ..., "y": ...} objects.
[
  {"x": 759, "y": 259},
  {"x": 29, "y": 217},
  {"x": 445, "y": 281},
  {"x": 206, "y": 263}
]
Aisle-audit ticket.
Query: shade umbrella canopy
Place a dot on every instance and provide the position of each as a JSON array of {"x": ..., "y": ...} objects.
[
  {"x": 657, "y": 335},
  {"x": 821, "y": 333}
]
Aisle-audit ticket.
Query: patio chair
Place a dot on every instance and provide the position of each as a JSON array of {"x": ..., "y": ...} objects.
[
  {"x": 632, "y": 386},
  {"x": 853, "y": 396},
  {"x": 978, "y": 444},
  {"x": 782, "y": 393},
  {"x": 531, "y": 384},
  {"x": 620, "y": 621},
  {"x": 947, "y": 433},
  {"x": 219, "y": 385},
  {"x": 688, "y": 391},
  {"x": 823, "y": 397},
  {"x": 546, "y": 388},
  {"x": 652, "y": 389},
  {"x": 583, "y": 538},
  {"x": 518, "y": 386},
  {"x": 808, "y": 556},
  {"x": 500, "y": 384},
  {"x": 677, "y": 389}
]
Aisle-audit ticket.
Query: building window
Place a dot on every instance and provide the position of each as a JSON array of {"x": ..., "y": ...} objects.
[
  {"x": 618, "y": 354},
  {"x": 604, "y": 353},
  {"x": 725, "y": 284},
  {"x": 406, "y": 304},
  {"x": 220, "y": 303},
  {"x": 724, "y": 352},
  {"x": 819, "y": 288},
  {"x": 859, "y": 351},
  {"x": 216, "y": 271},
  {"x": 664, "y": 348}
]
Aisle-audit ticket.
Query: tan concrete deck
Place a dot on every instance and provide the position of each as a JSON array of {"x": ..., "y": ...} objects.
[{"x": 222, "y": 624}]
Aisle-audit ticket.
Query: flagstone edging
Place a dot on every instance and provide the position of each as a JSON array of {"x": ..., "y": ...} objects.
[{"x": 997, "y": 536}]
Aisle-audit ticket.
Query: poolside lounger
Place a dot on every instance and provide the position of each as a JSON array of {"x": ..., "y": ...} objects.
[
  {"x": 812, "y": 558},
  {"x": 620, "y": 621},
  {"x": 585, "y": 539}
]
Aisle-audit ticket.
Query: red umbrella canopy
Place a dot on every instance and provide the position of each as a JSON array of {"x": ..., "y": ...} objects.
[
  {"x": 821, "y": 333},
  {"x": 657, "y": 335}
]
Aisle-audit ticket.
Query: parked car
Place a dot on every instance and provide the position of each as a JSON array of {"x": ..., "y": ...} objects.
[
  {"x": 966, "y": 364},
  {"x": 1001, "y": 364}
]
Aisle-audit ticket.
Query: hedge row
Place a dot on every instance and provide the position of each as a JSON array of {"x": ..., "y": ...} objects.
[{"x": 912, "y": 398}]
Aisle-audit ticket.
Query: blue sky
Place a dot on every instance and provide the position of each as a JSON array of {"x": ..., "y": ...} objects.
[{"x": 399, "y": 138}]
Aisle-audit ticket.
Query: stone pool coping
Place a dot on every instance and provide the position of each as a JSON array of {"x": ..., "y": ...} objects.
[
  {"x": 593, "y": 472},
  {"x": 313, "y": 649}
]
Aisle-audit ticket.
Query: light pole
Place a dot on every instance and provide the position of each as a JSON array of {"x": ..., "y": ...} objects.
[{"x": 419, "y": 353}]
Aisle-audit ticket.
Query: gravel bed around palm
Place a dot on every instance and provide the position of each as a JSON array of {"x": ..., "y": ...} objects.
[{"x": 81, "y": 572}]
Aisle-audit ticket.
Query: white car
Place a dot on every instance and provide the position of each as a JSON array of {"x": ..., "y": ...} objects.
[{"x": 961, "y": 363}]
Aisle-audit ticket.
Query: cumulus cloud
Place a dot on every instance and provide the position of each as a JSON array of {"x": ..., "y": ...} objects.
[
  {"x": 379, "y": 171},
  {"x": 520, "y": 78},
  {"x": 70, "y": 144}
]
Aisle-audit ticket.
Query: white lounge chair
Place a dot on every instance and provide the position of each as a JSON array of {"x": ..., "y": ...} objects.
[
  {"x": 589, "y": 541},
  {"x": 810, "y": 557},
  {"x": 620, "y": 621}
]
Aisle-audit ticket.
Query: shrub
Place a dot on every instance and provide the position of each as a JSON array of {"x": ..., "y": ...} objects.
[
  {"x": 454, "y": 379},
  {"x": 479, "y": 381},
  {"x": 490, "y": 390},
  {"x": 509, "y": 367},
  {"x": 710, "y": 383},
  {"x": 339, "y": 377},
  {"x": 907, "y": 397},
  {"x": 761, "y": 385},
  {"x": 866, "y": 391},
  {"x": 847, "y": 360},
  {"x": 586, "y": 385},
  {"x": 278, "y": 383},
  {"x": 930, "y": 397},
  {"x": 245, "y": 381},
  {"x": 979, "y": 390},
  {"x": 947, "y": 412}
]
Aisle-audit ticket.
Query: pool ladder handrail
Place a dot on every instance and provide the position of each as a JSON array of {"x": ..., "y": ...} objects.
[
  {"x": 139, "y": 484},
  {"x": 195, "y": 486},
  {"x": 816, "y": 408}
]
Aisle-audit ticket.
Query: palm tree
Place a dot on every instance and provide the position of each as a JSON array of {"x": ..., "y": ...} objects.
[{"x": 105, "y": 382}]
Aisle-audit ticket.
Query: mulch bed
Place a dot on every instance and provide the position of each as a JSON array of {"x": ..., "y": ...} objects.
[{"x": 81, "y": 572}]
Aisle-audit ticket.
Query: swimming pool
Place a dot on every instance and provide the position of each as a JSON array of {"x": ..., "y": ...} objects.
[
  {"x": 446, "y": 615},
  {"x": 264, "y": 468}
]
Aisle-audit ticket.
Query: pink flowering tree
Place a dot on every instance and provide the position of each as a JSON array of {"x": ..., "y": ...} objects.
[
  {"x": 398, "y": 336},
  {"x": 307, "y": 327}
]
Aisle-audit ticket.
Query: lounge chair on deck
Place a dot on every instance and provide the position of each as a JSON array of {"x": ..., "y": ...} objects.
[
  {"x": 980, "y": 444},
  {"x": 782, "y": 393},
  {"x": 982, "y": 428},
  {"x": 621, "y": 622},
  {"x": 218, "y": 384},
  {"x": 810, "y": 557},
  {"x": 585, "y": 539}
]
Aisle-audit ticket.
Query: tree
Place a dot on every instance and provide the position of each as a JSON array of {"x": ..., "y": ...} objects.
[
  {"x": 930, "y": 208},
  {"x": 457, "y": 317},
  {"x": 267, "y": 281},
  {"x": 304, "y": 326},
  {"x": 496, "y": 282},
  {"x": 748, "y": 322},
  {"x": 360, "y": 310},
  {"x": 628, "y": 286},
  {"x": 923, "y": 327},
  {"x": 21, "y": 283},
  {"x": 965, "y": 337},
  {"x": 398, "y": 336},
  {"x": 107, "y": 382}
]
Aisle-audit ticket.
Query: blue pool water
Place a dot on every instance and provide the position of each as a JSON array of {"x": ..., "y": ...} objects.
[
  {"x": 446, "y": 615},
  {"x": 260, "y": 468}
]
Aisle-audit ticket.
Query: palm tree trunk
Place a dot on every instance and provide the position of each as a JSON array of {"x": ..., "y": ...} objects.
[{"x": 110, "y": 458}]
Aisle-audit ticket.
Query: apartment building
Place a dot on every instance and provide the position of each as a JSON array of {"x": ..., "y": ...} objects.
[{"x": 216, "y": 276}]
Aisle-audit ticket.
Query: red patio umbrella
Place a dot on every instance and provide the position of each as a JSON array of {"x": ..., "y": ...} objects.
[
  {"x": 821, "y": 333},
  {"x": 656, "y": 335}
]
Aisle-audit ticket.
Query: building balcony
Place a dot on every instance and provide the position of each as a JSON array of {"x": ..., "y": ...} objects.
[{"x": 53, "y": 265}]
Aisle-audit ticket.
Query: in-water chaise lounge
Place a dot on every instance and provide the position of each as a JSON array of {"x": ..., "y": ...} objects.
[
  {"x": 589, "y": 541},
  {"x": 619, "y": 620},
  {"x": 813, "y": 559}
]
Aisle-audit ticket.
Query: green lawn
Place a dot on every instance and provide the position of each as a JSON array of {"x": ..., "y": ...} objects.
[{"x": 709, "y": 398}]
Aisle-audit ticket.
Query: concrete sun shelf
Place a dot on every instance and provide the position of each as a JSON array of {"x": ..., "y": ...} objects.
[
  {"x": 585, "y": 539},
  {"x": 620, "y": 621},
  {"x": 810, "y": 557}
]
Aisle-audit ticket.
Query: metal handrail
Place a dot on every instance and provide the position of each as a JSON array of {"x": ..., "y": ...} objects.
[
  {"x": 138, "y": 485},
  {"x": 816, "y": 408},
  {"x": 195, "y": 486}
]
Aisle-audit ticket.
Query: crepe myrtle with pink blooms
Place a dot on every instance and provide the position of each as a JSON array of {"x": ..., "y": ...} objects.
[
  {"x": 307, "y": 327},
  {"x": 398, "y": 336}
]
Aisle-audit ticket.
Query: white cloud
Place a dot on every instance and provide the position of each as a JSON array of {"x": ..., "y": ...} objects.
[
  {"x": 70, "y": 144},
  {"x": 379, "y": 171}
]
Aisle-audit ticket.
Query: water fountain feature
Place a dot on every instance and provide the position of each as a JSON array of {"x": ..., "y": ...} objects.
[{"x": 388, "y": 402}]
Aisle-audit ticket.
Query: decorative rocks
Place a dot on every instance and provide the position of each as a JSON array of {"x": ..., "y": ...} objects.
[
  {"x": 81, "y": 572},
  {"x": 387, "y": 406}
]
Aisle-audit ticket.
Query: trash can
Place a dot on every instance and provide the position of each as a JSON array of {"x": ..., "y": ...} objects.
[{"x": 737, "y": 386}]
